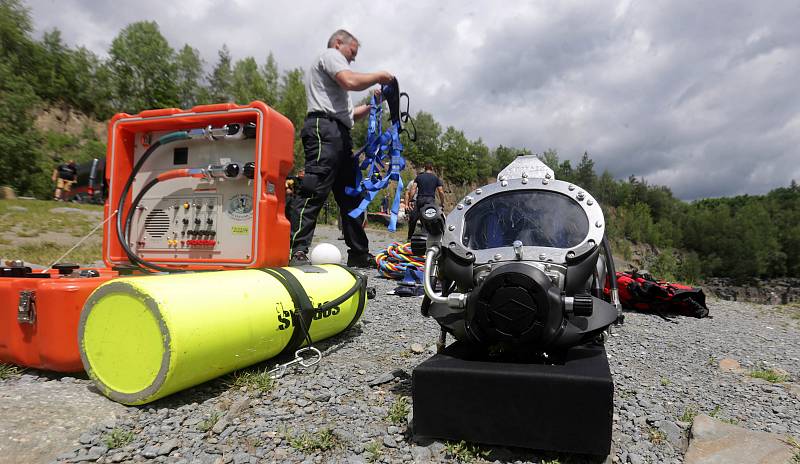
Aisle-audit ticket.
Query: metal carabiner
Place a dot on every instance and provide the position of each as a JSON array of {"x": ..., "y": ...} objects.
[
  {"x": 280, "y": 370},
  {"x": 311, "y": 360}
]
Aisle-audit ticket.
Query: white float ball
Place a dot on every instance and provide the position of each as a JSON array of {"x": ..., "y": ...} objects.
[{"x": 326, "y": 253}]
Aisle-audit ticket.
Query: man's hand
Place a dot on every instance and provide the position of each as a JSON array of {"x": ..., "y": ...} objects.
[
  {"x": 360, "y": 112},
  {"x": 384, "y": 77}
]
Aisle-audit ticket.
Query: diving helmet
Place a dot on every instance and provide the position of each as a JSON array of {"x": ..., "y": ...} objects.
[{"x": 520, "y": 263}]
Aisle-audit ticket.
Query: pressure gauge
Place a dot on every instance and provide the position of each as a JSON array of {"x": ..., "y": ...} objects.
[{"x": 240, "y": 207}]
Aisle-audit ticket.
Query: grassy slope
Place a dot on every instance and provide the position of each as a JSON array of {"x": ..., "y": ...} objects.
[{"x": 39, "y": 235}]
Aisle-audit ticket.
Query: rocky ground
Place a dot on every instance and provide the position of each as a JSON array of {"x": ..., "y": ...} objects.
[
  {"x": 349, "y": 407},
  {"x": 779, "y": 291}
]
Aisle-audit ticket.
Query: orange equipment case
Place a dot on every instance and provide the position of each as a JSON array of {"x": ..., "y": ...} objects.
[
  {"x": 39, "y": 315},
  {"x": 267, "y": 226},
  {"x": 39, "y": 312}
]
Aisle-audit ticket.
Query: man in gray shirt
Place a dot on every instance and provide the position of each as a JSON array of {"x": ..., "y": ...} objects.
[{"x": 328, "y": 147}]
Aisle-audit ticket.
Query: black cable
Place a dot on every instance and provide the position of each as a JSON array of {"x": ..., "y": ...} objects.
[
  {"x": 122, "y": 238},
  {"x": 132, "y": 209},
  {"x": 358, "y": 285},
  {"x": 612, "y": 275},
  {"x": 129, "y": 220},
  {"x": 612, "y": 272}
]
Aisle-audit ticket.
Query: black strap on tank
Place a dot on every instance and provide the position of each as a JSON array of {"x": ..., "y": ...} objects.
[
  {"x": 303, "y": 306},
  {"x": 304, "y": 311}
]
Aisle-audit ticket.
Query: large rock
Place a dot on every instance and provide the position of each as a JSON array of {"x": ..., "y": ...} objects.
[
  {"x": 7, "y": 193},
  {"x": 715, "y": 442},
  {"x": 778, "y": 291},
  {"x": 730, "y": 365},
  {"x": 674, "y": 434}
]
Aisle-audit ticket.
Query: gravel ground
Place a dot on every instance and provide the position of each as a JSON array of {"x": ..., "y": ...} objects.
[{"x": 663, "y": 373}]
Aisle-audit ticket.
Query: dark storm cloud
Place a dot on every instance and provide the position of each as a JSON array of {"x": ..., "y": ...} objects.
[{"x": 699, "y": 96}]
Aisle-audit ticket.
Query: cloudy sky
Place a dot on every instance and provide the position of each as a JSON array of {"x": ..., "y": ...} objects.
[{"x": 703, "y": 97}]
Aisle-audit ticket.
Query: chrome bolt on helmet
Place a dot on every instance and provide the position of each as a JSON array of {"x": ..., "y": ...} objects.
[{"x": 521, "y": 263}]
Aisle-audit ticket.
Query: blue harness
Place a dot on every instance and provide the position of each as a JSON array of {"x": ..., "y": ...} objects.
[{"x": 381, "y": 148}]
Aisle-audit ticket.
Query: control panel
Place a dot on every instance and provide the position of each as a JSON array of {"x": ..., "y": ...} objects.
[
  {"x": 198, "y": 189},
  {"x": 189, "y": 222},
  {"x": 184, "y": 218}
]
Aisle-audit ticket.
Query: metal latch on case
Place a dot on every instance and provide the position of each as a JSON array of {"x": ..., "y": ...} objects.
[{"x": 26, "y": 309}]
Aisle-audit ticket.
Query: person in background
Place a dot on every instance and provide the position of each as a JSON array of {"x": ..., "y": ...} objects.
[
  {"x": 411, "y": 210},
  {"x": 423, "y": 191},
  {"x": 385, "y": 204},
  {"x": 328, "y": 147},
  {"x": 64, "y": 176},
  {"x": 401, "y": 213},
  {"x": 292, "y": 184}
]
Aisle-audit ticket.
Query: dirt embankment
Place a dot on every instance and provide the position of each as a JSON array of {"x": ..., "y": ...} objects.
[{"x": 65, "y": 120}]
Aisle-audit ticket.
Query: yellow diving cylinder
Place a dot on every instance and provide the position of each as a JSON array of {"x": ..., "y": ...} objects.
[{"x": 143, "y": 338}]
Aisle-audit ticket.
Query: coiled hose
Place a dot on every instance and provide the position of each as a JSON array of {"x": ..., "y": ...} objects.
[{"x": 396, "y": 259}]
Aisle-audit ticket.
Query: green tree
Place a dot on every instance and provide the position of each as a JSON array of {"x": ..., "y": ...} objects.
[
  {"x": 637, "y": 224},
  {"x": 561, "y": 169},
  {"x": 790, "y": 244},
  {"x": 15, "y": 28},
  {"x": 482, "y": 160},
  {"x": 565, "y": 172},
  {"x": 292, "y": 104},
  {"x": 143, "y": 69},
  {"x": 270, "y": 75},
  {"x": 426, "y": 148},
  {"x": 54, "y": 68},
  {"x": 637, "y": 193},
  {"x": 783, "y": 206},
  {"x": 92, "y": 89},
  {"x": 740, "y": 241},
  {"x": 503, "y": 156},
  {"x": 22, "y": 163},
  {"x": 456, "y": 162},
  {"x": 605, "y": 190},
  {"x": 690, "y": 267},
  {"x": 704, "y": 233},
  {"x": 757, "y": 250},
  {"x": 666, "y": 265},
  {"x": 75, "y": 79},
  {"x": 248, "y": 83},
  {"x": 189, "y": 69},
  {"x": 550, "y": 158},
  {"x": 221, "y": 78},
  {"x": 584, "y": 174}
]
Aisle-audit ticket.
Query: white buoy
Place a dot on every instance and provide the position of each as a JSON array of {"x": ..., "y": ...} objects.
[{"x": 326, "y": 253}]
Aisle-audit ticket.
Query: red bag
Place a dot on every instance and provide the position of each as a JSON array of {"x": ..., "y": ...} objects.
[{"x": 642, "y": 292}]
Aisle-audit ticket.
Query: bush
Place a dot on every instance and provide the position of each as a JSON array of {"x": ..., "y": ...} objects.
[
  {"x": 665, "y": 265},
  {"x": 690, "y": 268}
]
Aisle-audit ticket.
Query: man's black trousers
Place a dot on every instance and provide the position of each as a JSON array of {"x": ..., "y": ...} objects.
[
  {"x": 413, "y": 217},
  {"x": 329, "y": 165}
]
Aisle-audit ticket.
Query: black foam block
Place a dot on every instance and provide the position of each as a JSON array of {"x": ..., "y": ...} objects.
[{"x": 461, "y": 395}]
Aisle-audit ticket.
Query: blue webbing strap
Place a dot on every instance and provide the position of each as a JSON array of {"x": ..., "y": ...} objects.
[{"x": 380, "y": 147}]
